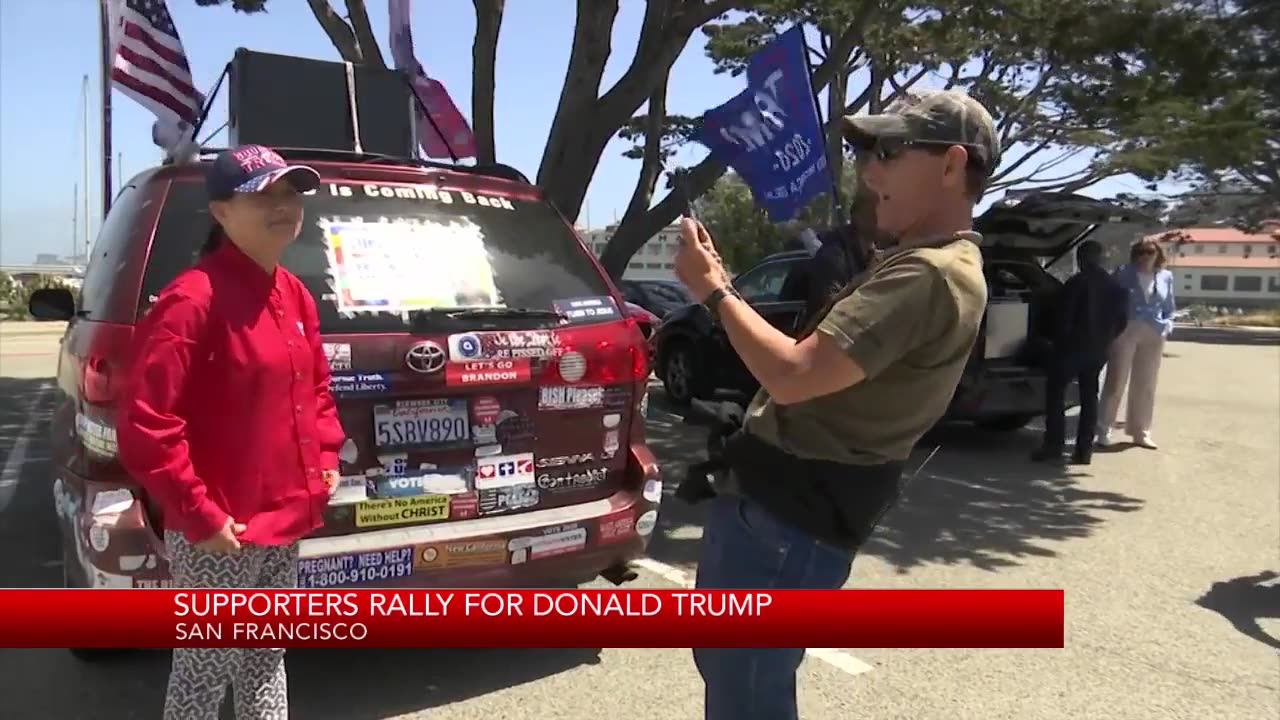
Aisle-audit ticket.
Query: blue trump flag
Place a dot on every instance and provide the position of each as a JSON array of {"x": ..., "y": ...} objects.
[{"x": 771, "y": 133}]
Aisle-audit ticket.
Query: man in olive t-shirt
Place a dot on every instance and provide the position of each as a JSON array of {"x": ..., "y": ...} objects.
[{"x": 840, "y": 409}]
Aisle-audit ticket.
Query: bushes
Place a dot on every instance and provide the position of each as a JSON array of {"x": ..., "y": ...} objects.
[{"x": 15, "y": 294}]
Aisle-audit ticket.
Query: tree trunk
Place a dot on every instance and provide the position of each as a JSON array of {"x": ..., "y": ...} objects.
[
  {"x": 592, "y": 43},
  {"x": 358, "y": 16},
  {"x": 339, "y": 32},
  {"x": 650, "y": 170},
  {"x": 586, "y": 121},
  {"x": 837, "y": 96},
  {"x": 484, "y": 58},
  {"x": 631, "y": 236}
]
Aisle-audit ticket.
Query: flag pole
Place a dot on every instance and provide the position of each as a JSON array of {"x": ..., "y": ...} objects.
[
  {"x": 104, "y": 35},
  {"x": 84, "y": 158}
]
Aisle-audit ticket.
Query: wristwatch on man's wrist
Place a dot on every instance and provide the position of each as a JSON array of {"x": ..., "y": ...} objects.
[{"x": 712, "y": 303}]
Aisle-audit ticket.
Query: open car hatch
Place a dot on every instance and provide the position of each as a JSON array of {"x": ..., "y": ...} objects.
[{"x": 1049, "y": 225}]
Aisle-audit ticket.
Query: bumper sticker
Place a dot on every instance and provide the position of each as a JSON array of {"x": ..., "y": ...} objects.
[
  {"x": 600, "y": 307},
  {"x": 402, "y": 511},
  {"x": 463, "y": 553},
  {"x": 355, "y": 569}
]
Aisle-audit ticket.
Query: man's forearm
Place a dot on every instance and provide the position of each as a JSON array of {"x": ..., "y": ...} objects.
[{"x": 768, "y": 353}]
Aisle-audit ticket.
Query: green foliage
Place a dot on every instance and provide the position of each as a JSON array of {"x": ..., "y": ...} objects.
[
  {"x": 743, "y": 233},
  {"x": 1232, "y": 136},
  {"x": 8, "y": 286},
  {"x": 1135, "y": 86},
  {"x": 14, "y": 300},
  {"x": 244, "y": 6}
]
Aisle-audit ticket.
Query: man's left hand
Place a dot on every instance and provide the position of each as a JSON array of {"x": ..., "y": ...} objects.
[{"x": 698, "y": 265}]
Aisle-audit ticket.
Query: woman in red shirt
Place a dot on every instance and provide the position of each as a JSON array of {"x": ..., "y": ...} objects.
[{"x": 228, "y": 422}]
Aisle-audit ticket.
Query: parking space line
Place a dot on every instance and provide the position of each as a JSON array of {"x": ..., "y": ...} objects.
[
  {"x": 17, "y": 455},
  {"x": 835, "y": 657}
]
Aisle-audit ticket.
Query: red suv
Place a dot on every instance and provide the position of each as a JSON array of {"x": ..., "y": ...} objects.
[{"x": 490, "y": 380}]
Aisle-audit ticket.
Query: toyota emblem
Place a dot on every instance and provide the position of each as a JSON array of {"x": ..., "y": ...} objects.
[{"x": 425, "y": 357}]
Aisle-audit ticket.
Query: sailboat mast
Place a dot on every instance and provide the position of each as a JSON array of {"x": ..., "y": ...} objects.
[{"x": 84, "y": 101}]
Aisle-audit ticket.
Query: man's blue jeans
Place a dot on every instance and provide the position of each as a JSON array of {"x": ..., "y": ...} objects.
[{"x": 745, "y": 548}]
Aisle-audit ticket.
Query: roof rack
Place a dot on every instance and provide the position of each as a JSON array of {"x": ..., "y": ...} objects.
[{"x": 496, "y": 170}]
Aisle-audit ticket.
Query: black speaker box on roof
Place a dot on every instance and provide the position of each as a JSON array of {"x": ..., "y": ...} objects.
[{"x": 292, "y": 102}]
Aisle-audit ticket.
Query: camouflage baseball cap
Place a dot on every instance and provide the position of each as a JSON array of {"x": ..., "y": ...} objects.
[{"x": 947, "y": 117}]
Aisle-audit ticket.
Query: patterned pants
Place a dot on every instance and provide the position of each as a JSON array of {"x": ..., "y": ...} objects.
[{"x": 200, "y": 676}]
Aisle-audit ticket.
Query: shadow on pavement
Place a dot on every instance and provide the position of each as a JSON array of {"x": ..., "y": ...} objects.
[
  {"x": 30, "y": 547},
  {"x": 1225, "y": 336},
  {"x": 323, "y": 684},
  {"x": 1245, "y": 600},
  {"x": 979, "y": 500}
]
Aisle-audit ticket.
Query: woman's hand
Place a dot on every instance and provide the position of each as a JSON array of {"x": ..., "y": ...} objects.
[
  {"x": 330, "y": 478},
  {"x": 698, "y": 265},
  {"x": 225, "y": 540}
]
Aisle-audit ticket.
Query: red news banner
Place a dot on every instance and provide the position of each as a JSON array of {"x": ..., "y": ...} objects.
[{"x": 528, "y": 618}]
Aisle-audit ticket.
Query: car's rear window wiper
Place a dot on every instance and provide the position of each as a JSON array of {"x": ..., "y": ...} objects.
[{"x": 487, "y": 313}]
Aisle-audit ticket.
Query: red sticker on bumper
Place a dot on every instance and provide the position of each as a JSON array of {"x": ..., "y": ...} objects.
[{"x": 488, "y": 372}]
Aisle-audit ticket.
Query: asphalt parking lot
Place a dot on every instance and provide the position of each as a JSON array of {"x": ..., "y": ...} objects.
[{"x": 1168, "y": 559}]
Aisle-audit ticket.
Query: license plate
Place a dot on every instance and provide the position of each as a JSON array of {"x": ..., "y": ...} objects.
[
  {"x": 422, "y": 422},
  {"x": 402, "y": 511},
  {"x": 355, "y": 569}
]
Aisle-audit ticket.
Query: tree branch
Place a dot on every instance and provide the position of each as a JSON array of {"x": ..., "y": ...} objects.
[
  {"x": 358, "y": 16},
  {"x": 663, "y": 35},
  {"x": 484, "y": 59},
  {"x": 592, "y": 43},
  {"x": 615, "y": 255},
  {"x": 337, "y": 29},
  {"x": 1008, "y": 168},
  {"x": 630, "y": 236},
  {"x": 1031, "y": 99}
]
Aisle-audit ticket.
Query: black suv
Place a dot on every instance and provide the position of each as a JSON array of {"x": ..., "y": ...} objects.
[
  {"x": 657, "y": 296},
  {"x": 1003, "y": 386}
]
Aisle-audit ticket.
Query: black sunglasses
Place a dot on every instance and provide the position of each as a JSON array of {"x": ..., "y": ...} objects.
[{"x": 888, "y": 149}]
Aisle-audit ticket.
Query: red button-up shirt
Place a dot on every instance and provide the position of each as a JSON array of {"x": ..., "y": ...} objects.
[{"x": 227, "y": 411}]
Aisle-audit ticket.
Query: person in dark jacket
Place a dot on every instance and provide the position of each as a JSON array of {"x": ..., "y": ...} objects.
[
  {"x": 842, "y": 254},
  {"x": 1091, "y": 315}
]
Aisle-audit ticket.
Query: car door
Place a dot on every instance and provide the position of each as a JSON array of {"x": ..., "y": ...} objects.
[{"x": 761, "y": 287}]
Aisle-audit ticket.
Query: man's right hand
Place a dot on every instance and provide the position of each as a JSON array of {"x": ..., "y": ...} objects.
[{"x": 225, "y": 540}]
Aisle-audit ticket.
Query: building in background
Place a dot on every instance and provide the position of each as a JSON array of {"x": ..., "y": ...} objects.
[
  {"x": 1224, "y": 266},
  {"x": 655, "y": 260}
]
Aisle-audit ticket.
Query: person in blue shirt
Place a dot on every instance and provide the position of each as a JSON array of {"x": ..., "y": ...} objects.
[{"x": 1134, "y": 359}]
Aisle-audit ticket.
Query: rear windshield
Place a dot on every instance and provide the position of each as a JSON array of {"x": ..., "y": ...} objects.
[{"x": 372, "y": 254}]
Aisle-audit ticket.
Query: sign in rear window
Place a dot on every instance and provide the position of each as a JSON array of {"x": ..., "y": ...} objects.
[{"x": 371, "y": 254}]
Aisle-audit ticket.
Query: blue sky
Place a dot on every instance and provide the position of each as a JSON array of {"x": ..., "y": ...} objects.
[{"x": 40, "y": 93}]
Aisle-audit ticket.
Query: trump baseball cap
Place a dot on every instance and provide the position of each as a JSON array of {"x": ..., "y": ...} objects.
[
  {"x": 253, "y": 168},
  {"x": 932, "y": 117}
]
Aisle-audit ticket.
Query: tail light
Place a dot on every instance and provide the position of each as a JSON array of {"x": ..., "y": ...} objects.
[
  {"x": 98, "y": 381},
  {"x": 601, "y": 355}
]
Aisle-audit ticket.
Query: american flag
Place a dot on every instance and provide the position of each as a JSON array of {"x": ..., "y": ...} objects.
[{"x": 149, "y": 64}]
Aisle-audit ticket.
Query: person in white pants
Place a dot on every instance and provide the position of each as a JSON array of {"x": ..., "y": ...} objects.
[{"x": 1134, "y": 358}]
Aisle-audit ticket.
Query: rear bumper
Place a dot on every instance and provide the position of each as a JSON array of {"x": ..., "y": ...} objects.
[
  {"x": 543, "y": 548},
  {"x": 556, "y": 546}
]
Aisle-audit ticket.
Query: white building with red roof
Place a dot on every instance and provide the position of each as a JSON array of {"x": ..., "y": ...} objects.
[{"x": 1224, "y": 266}]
